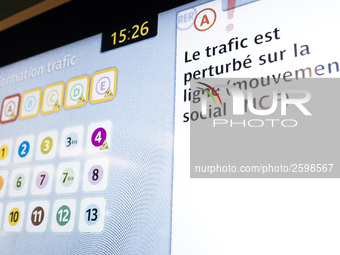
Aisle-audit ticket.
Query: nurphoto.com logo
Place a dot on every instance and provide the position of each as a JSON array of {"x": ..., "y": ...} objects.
[{"x": 243, "y": 102}]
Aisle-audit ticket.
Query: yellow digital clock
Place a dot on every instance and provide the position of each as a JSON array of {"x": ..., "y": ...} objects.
[{"x": 129, "y": 33}]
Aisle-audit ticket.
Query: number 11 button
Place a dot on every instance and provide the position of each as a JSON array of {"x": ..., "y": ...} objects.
[{"x": 37, "y": 216}]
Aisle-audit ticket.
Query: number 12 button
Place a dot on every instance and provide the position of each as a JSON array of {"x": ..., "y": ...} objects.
[{"x": 63, "y": 215}]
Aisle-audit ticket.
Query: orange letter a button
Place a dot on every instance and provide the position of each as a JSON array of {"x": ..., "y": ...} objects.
[{"x": 10, "y": 109}]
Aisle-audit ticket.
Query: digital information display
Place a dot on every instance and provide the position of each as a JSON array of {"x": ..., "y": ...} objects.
[{"x": 121, "y": 143}]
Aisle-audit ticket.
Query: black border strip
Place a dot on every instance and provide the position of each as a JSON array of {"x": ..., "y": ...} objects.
[{"x": 71, "y": 22}]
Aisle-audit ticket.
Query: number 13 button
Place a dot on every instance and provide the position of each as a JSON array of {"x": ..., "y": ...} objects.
[{"x": 92, "y": 215}]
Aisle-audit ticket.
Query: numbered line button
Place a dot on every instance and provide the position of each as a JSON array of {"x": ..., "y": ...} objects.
[
  {"x": 63, "y": 215},
  {"x": 3, "y": 182},
  {"x": 96, "y": 174},
  {"x": 68, "y": 177},
  {"x": 46, "y": 145},
  {"x": 99, "y": 137},
  {"x": 37, "y": 216},
  {"x": 23, "y": 151},
  {"x": 18, "y": 185},
  {"x": 92, "y": 215},
  {"x": 42, "y": 180},
  {"x": 14, "y": 216},
  {"x": 6, "y": 147},
  {"x": 71, "y": 141}
]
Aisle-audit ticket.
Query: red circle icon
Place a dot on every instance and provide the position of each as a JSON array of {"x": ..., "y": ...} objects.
[
  {"x": 9, "y": 108},
  {"x": 205, "y": 19}
]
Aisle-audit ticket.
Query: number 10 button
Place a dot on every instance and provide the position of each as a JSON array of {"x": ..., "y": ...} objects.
[{"x": 14, "y": 216}]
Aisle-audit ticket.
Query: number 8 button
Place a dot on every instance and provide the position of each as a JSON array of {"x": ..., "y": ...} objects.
[{"x": 96, "y": 174}]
